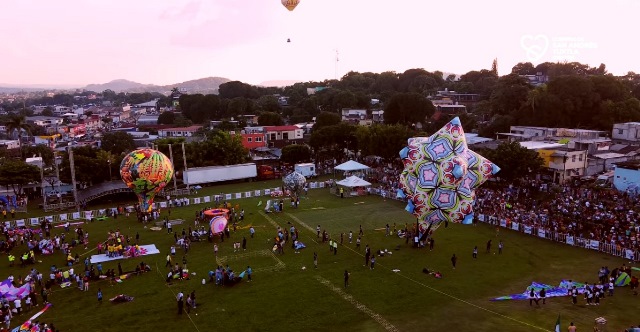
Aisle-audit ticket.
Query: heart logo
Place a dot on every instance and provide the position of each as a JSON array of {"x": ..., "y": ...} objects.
[{"x": 535, "y": 46}]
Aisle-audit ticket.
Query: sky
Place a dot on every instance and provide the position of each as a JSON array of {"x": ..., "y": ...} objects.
[{"x": 78, "y": 42}]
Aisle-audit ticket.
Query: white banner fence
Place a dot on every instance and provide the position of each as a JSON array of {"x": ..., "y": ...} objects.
[{"x": 543, "y": 232}]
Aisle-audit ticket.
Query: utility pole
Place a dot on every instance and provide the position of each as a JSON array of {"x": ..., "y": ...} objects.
[
  {"x": 55, "y": 163},
  {"x": 44, "y": 196},
  {"x": 336, "y": 66},
  {"x": 175, "y": 184},
  {"x": 184, "y": 159},
  {"x": 72, "y": 165}
]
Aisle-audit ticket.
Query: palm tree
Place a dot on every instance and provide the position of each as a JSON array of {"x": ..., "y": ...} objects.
[{"x": 18, "y": 123}]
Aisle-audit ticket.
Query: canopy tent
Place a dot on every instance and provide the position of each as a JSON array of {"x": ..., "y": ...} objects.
[
  {"x": 351, "y": 166},
  {"x": 353, "y": 181}
]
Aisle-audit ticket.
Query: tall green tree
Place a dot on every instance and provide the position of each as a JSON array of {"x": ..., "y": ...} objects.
[
  {"x": 514, "y": 160},
  {"x": 407, "y": 109},
  {"x": 326, "y": 119},
  {"x": 15, "y": 174},
  {"x": 270, "y": 119},
  {"x": 117, "y": 142},
  {"x": 295, "y": 153},
  {"x": 17, "y": 124}
]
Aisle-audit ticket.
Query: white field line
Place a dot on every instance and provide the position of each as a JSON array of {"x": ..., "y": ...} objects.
[{"x": 379, "y": 319}]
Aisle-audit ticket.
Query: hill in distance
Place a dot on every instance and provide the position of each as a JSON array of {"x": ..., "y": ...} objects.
[
  {"x": 204, "y": 85},
  {"x": 278, "y": 83}
]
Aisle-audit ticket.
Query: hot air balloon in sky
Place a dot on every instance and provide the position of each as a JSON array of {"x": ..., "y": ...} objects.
[
  {"x": 146, "y": 172},
  {"x": 290, "y": 4}
]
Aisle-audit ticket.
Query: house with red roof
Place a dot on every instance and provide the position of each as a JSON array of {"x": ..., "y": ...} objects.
[{"x": 281, "y": 136}]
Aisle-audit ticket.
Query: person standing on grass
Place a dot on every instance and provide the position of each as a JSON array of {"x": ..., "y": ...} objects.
[
  {"x": 350, "y": 237},
  {"x": 489, "y": 247},
  {"x": 249, "y": 272},
  {"x": 475, "y": 252},
  {"x": 454, "y": 260},
  {"x": 315, "y": 260},
  {"x": 244, "y": 243},
  {"x": 373, "y": 262},
  {"x": 318, "y": 231},
  {"x": 335, "y": 247},
  {"x": 215, "y": 249},
  {"x": 99, "y": 295},
  {"x": 572, "y": 328},
  {"x": 252, "y": 231},
  {"x": 346, "y": 278},
  {"x": 180, "y": 298},
  {"x": 500, "y": 245},
  {"x": 367, "y": 255}
]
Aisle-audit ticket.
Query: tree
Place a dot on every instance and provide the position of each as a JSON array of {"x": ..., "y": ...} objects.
[
  {"x": 269, "y": 104},
  {"x": 47, "y": 111},
  {"x": 514, "y": 160},
  {"x": 117, "y": 142},
  {"x": 384, "y": 141},
  {"x": 17, "y": 124},
  {"x": 509, "y": 94},
  {"x": 89, "y": 168},
  {"x": 295, "y": 153},
  {"x": 17, "y": 173},
  {"x": 166, "y": 117},
  {"x": 270, "y": 119},
  {"x": 408, "y": 108},
  {"x": 40, "y": 150},
  {"x": 325, "y": 119},
  {"x": 235, "y": 89},
  {"x": 523, "y": 68}
]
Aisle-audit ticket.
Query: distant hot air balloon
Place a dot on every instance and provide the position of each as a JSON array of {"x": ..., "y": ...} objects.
[
  {"x": 146, "y": 172},
  {"x": 290, "y": 4}
]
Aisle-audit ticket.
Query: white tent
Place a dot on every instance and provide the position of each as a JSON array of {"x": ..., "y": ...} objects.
[
  {"x": 353, "y": 181},
  {"x": 351, "y": 166}
]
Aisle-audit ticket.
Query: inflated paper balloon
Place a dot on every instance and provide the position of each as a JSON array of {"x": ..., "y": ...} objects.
[
  {"x": 218, "y": 224},
  {"x": 294, "y": 182},
  {"x": 440, "y": 176},
  {"x": 146, "y": 172}
]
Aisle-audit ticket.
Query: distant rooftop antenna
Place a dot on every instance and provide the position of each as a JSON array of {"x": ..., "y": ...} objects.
[{"x": 336, "y": 65}]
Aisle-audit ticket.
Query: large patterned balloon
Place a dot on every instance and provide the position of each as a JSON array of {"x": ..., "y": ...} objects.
[
  {"x": 218, "y": 224},
  {"x": 294, "y": 182},
  {"x": 146, "y": 172},
  {"x": 440, "y": 176}
]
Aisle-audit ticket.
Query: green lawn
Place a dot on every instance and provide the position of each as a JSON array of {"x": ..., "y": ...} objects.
[{"x": 285, "y": 296}]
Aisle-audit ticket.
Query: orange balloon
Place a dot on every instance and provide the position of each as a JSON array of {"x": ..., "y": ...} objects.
[{"x": 290, "y": 4}]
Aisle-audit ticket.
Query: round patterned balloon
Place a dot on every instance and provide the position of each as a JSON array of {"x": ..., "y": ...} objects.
[
  {"x": 218, "y": 224},
  {"x": 294, "y": 183},
  {"x": 146, "y": 172}
]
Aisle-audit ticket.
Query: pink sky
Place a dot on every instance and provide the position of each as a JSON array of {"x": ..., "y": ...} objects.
[{"x": 169, "y": 41}]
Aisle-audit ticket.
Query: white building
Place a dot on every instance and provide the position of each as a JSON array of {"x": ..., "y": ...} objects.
[
  {"x": 628, "y": 131},
  {"x": 10, "y": 144},
  {"x": 179, "y": 132}
]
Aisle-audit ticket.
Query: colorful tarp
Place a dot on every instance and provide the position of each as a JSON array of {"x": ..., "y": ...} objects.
[
  {"x": 551, "y": 291},
  {"x": 622, "y": 280},
  {"x": 26, "y": 326},
  {"x": 144, "y": 250},
  {"x": 10, "y": 292}
]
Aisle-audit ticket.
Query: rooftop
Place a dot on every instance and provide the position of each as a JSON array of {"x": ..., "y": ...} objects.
[
  {"x": 190, "y": 128},
  {"x": 633, "y": 165},
  {"x": 537, "y": 145},
  {"x": 281, "y": 128},
  {"x": 608, "y": 155}
]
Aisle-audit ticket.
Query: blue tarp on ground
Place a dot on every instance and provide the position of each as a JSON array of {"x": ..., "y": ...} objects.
[{"x": 551, "y": 291}]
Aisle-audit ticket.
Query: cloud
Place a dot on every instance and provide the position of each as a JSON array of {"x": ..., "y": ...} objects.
[
  {"x": 225, "y": 23},
  {"x": 187, "y": 12}
]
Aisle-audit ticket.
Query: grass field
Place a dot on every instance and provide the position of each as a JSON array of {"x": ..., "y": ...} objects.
[{"x": 284, "y": 296}]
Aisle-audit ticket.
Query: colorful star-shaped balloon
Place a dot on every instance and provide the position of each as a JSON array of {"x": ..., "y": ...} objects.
[{"x": 440, "y": 176}]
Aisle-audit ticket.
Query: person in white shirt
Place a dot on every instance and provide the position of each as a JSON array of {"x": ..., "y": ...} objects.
[{"x": 17, "y": 303}]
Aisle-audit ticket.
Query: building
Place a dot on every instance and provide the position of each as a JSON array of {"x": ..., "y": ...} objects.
[
  {"x": 564, "y": 163},
  {"x": 377, "y": 116},
  {"x": 178, "y": 132},
  {"x": 628, "y": 131},
  {"x": 281, "y": 136},
  {"x": 9, "y": 144},
  {"x": 353, "y": 115},
  {"x": 537, "y": 79},
  {"x": 253, "y": 140},
  {"x": 626, "y": 177},
  {"x": 44, "y": 121},
  {"x": 145, "y": 120}
]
